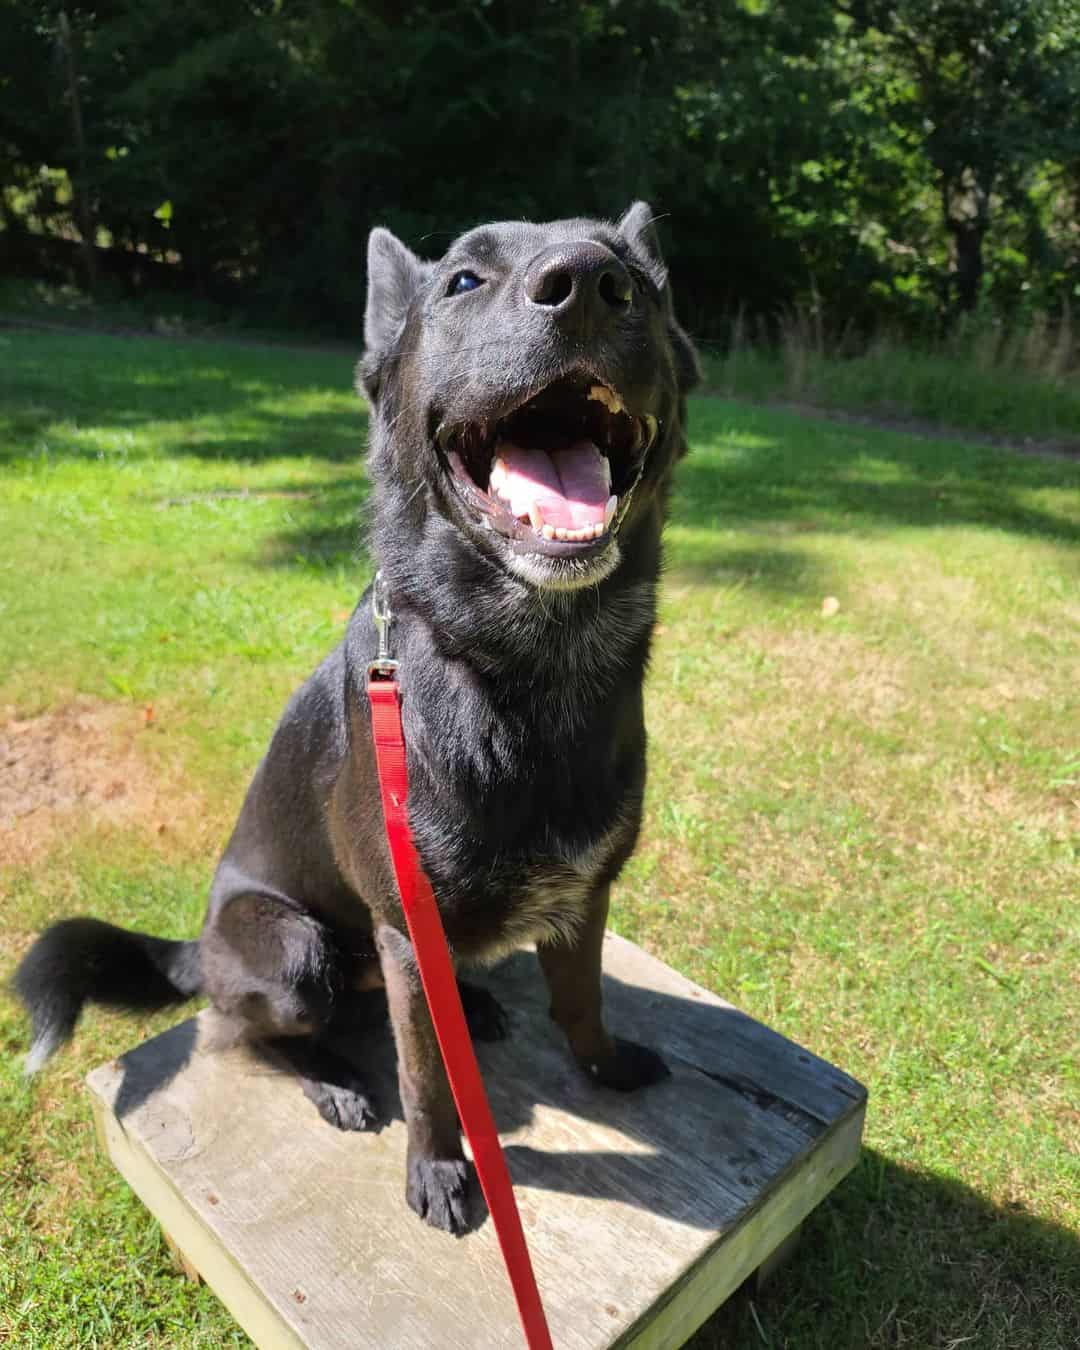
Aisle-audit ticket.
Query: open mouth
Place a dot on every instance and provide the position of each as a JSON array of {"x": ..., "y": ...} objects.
[{"x": 556, "y": 474}]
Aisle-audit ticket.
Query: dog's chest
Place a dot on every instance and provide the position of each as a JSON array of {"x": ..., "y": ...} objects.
[
  {"x": 514, "y": 877},
  {"x": 551, "y": 901},
  {"x": 525, "y": 807}
]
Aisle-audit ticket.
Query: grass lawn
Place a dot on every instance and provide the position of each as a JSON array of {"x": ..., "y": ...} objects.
[{"x": 863, "y": 822}]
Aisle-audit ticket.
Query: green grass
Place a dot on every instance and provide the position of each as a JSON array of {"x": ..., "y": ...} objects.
[
  {"x": 863, "y": 827},
  {"x": 986, "y": 386}
]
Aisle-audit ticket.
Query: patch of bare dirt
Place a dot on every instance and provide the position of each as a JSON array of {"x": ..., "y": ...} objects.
[{"x": 82, "y": 766}]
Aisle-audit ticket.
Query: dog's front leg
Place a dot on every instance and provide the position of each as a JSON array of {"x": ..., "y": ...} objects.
[
  {"x": 572, "y": 970},
  {"x": 437, "y": 1176}
]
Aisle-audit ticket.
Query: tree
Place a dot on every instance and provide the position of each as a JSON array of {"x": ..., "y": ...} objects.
[{"x": 993, "y": 88}]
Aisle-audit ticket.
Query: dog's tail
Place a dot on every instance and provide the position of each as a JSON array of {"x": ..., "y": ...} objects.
[{"x": 81, "y": 960}]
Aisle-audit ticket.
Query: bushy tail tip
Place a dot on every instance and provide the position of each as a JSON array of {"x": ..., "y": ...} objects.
[{"x": 85, "y": 960}]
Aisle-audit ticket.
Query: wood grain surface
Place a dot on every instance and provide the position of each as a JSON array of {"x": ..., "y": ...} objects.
[{"x": 643, "y": 1212}]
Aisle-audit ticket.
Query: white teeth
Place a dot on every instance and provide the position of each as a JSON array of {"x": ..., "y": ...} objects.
[
  {"x": 652, "y": 424},
  {"x": 498, "y": 475},
  {"x": 582, "y": 535},
  {"x": 607, "y": 472},
  {"x": 609, "y": 510},
  {"x": 536, "y": 516}
]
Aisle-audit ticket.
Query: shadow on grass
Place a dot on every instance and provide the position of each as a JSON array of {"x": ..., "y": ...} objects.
[
  {"x": 753, "y": 467},
  {"x": 777, "y": 571},
  {"x": 897, "y": 1257},
  {"x": 327, "y": 528},
  {"x": 338, "y": 438},
  {"x": 78, "y": 398}
]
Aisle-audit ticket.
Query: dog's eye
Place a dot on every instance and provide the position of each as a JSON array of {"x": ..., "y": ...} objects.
[{"x": 462, "y": 282}]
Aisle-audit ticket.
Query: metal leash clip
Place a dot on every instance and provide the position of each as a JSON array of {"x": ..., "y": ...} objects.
[{"x": 384, "y": 664}]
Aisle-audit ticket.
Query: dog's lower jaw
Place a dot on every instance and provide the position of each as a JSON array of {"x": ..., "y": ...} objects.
[{"x": 564, "y": 574}]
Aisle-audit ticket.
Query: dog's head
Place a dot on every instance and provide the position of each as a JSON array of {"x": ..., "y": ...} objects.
[{"x": 528, "y": 390}]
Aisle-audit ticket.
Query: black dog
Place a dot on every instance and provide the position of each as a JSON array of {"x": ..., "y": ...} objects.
[{"x": 528, "y": 404}]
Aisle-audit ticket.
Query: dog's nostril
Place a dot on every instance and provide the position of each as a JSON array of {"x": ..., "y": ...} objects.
[
  {"x": 554, "y": 288},
  {"x": 579, "y": 284},
  {"x": 615, "y": 290}
]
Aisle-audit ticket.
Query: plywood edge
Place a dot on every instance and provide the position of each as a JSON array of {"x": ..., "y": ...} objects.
[
  {"x": 736, "y": 1255},
  {"x": 188, "y": 1232}
]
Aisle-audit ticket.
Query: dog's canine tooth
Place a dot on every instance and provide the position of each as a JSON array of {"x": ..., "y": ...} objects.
[
  {"x": 653, "y": 425},
  {"x": 536, "y": 516},
  {"x": 608, "y": 397},
  {"x": 610, "y": 509},
  {"x": 497, "y": 476},
  {"x": 607, "y": 471}
]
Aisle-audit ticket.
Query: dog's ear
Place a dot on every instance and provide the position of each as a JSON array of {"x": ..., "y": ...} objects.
[
  {"x": 394, "y": 274},
  {"x": 638, "y": 228},
  {"x": 687, "y": 361}
]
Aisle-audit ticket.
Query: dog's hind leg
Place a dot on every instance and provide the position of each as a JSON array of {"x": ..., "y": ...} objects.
[
  {"x": 278, "y": 974},
  {"x": 338, "y": 1092},
  {"x": 573, "y": 974}
]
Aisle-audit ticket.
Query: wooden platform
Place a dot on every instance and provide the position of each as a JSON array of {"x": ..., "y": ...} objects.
[{"x": 643, "y": 1213}]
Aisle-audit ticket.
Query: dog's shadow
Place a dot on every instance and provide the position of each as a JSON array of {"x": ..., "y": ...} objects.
[
  {"x": 656, "y": 1148},
  {"x": 652, "y": 1148}
]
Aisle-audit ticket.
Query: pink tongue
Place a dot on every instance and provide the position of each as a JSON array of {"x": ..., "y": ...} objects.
[{"x": 569, "y": 486}]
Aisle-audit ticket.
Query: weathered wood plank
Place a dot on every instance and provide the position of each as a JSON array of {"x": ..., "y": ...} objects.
[{"x": 642, "y": 1212}]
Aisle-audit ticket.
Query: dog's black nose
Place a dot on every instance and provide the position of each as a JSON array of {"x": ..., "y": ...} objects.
[{"x": 581, "y": 282}]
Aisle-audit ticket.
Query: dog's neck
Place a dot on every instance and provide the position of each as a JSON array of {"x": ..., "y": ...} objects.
[{"x": 472, "y": 611}]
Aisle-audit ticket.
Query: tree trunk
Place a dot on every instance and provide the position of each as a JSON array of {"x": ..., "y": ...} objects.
[
  {"x": 967, "y": 216},
  {"x": 967, "y": 265},
  {"x": 78, "y": 180}
]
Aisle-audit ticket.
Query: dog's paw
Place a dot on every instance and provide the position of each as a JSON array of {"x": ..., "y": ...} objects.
[
  {"x": 631, "y": 1066},
  {"x": 486, "y": 1016},
  {"x": 438, "y": 1190},
  {"x": 346, "y": 1106}
]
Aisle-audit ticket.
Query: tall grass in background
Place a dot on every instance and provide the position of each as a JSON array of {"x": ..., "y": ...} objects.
[{"x": 1019, "y": 379}]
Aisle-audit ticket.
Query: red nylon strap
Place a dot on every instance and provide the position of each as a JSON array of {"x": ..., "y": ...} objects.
[{"x": 444, "y": 1002}]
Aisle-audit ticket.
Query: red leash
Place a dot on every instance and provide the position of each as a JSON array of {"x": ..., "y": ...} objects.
[{"x": 440, "y": 983}]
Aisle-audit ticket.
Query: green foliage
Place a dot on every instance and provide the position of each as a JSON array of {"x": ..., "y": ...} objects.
[
  {"x": 990, "y": 90},
  {"x": 880, "y": 156}
]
